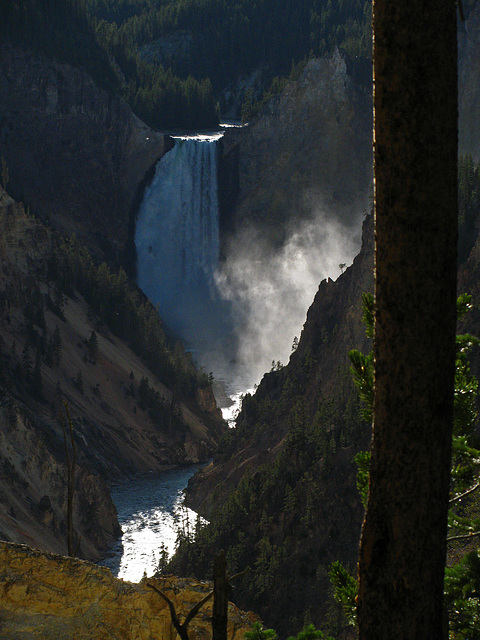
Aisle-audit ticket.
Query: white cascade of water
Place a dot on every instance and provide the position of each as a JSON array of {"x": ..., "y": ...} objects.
[{"x": 177, "y": 242}]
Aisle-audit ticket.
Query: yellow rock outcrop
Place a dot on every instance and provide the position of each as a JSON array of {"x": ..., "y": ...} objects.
[{"x": 50, "y": 597}]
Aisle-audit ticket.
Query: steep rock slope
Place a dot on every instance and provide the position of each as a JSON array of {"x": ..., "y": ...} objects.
[
  {"x": 33, "y": 489},
  {"x": 281, "y": 493},
  {"x": 308, "y": 155},
  {"x": 74, "y": 154},
  {"x": 55, "y": 349},
  {"x": 316, "y": 371}
]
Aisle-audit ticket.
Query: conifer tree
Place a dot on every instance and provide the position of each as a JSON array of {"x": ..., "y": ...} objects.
[
  {"x": 37, "y": 382},
  {"x": 462, "y": 579},
  {"x": 93, "y": 347}
]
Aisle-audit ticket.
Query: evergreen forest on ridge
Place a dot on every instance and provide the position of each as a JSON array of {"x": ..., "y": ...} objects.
[{"x": 177, "y": 62}]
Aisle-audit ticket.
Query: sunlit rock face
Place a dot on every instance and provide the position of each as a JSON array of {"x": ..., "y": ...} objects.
[
  {"x": 49, "y": 596},
  {"x": 33, "y": 473}
]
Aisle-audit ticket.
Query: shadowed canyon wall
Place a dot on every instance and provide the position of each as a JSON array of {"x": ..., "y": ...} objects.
[
  {"x": 311, "y": 400},
  {"x": 75, "y": 154},
  {"x": 308, "y": 153}
]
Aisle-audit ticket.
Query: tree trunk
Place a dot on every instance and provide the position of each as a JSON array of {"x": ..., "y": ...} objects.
[
  {"x": 402, "y": 551},
  {"x": 220, "y": 598}
]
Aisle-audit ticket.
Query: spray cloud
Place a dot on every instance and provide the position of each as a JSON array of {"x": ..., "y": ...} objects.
[{"x": 271, "y": 291}]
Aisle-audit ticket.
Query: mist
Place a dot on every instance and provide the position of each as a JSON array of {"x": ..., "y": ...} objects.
[{"x": 270, "y": 291}]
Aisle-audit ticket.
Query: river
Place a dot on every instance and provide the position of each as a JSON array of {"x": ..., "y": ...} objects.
[{"x": 150, "y": 512}]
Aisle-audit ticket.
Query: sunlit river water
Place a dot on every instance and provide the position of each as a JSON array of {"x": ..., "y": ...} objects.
[
  {"x": 150, "y": 513},
  {"x": 150, "y": 507}
]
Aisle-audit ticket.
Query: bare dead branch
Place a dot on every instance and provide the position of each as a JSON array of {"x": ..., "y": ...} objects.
[
  {"x": 71, "y": 465},
  {"x": 464, "y": 536},
  {"x": 194, "y": 610},
  {"x": 171, "y": 606},
  {"x": 465, "y": 493},
  {"x": 239, "y": 575},
  {"x": 181, "y": 628}
]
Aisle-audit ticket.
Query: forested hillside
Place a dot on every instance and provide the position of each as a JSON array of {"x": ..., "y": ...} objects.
[
  {"x": 223, "y": 41},
  {"x": 67, "y": 33},
  {"x": 173, "y": 61},
  {"x": 280, "y": 495}
]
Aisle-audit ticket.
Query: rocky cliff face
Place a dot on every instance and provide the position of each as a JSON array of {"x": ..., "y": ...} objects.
[
  {"x": 48, "y": 596},
  {"x": 34, "y": 498},
  {"x": 318, "y": 368},
  {"x": 309, "y": 405},
  {"x": 310, "y": 150},
  {"x": 75, "y": 154},
  {"x": 32, "y": 457},
  {"x": 309, "y": 153},
  {"x": 308, "y": 157}
]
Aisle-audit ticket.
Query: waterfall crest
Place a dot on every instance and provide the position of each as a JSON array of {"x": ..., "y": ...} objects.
[{"x": 177, "y": 241}]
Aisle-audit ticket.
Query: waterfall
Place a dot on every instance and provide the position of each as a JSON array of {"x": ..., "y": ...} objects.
[{"x": 177, "y": 241}]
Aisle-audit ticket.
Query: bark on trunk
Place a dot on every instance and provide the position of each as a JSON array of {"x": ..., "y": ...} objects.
[
  {"x": 402, "y": 552},
  {"x": 220, "y": 597}
]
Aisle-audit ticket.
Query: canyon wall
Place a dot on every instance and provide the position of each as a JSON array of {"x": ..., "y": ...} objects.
[
  {"x": 74, "y": 154},
  {"x": 114, "y": 433},
  {"x": 317, "y": 371},
  {"x": 310, "y": 150},
  {"x": 469, "y": 81},
  {"x": 310, "y": 405},
  {"x": 280, "y": 494},
  {"x": 308, "y": 153},
  {"x": 33, "y": 477}
]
